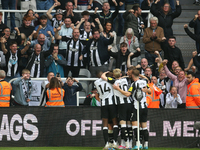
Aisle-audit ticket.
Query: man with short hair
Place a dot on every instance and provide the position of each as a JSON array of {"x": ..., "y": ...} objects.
[
  {"x": 43, "y": 27},
  {"x": 171, "y": 53},
  {"x": 42, "y": 40},
  {"x": 134, "y": 20},
  {"x": 55, "y": 63},
  {"x": 36, "y": 61},
  {"x": 153, "y": 36},
  {"x": 5, "y": 90},
  {"x": 13, "y": 56},
  {"x": 97, "y": 52},
  {"x": 74, "y": 50},
  {"x": 65, "y": 30},
  {"x": 195, "y": 23},
  {"x": 69, "y": 13},
  {"x": 23, "y": 90},
  {"x": 193, "y": 93},
  {"x": 106, "y": 14}
]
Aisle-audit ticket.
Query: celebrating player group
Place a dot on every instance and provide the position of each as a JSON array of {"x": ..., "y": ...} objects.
[{"x": 120, "y": 100}]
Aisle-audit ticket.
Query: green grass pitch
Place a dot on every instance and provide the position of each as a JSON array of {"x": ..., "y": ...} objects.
[{"x": 80, "y": 148}]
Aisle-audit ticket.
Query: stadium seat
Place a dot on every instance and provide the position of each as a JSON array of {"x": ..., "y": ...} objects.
[{"x": 84, "y": 73}]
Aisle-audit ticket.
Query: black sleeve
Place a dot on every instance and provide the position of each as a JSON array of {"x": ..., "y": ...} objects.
[
  {"x": 192, "y": 35},
  {"x": 196, "y": 61},
  {"x": 65, "y": 38},
  {"x": 111, "y": 80}
]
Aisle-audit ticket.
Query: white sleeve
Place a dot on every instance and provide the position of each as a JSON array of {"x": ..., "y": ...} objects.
[{"x": 179, "y": 99}]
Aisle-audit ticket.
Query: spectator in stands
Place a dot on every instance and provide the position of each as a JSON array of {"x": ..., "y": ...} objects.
[
  {"x": 122, "y": 55},
  {"x": 43, "y": 27},
  {"x": 92, "y": 99},
  {"x": 57, "y": 19},
  {"x": 171, "y": 53},
  {"x": 5, "y": 89},
  {"x": 82, "y": 4},
  {"x": 26, "y": 27},
  {"x": 143, "y": 65},
  {"x": 55, "y": 94},
  {"x": 2, "y": 60},
  {"x": 196, "y": 61},
  {"x": 165, "y": 84},
  {"x": 98, "y": 4},
  {"x": 66, "y": 30},
  {"x": 2, "y": 25},
  {"x": 8, "y": 40},
  {"x": 44, "y": 87},
  {"x": 97, "y": 52},
  {"x": 42, "y": 40},
  {"x": 23, "y": 87},
  {"x": 70, "y": 91},
  {"x": 132, "y": 43},
  {"x": 179, "y": 81},
  {"x": 171, "y": 2},
  {"x": 69, "y": 13},
  {"x": 195, "y": 23},
  {"x": 146, "y": 5},
  {"x": 74, "y": 50},
  {"x": 34, "y": 16},
  {"x": 13, "y": 56},
  {"x": 30, "y": 4},
  {"x": 55, "y": 62},
  {"x": 23, "y": 47},
  {"x": 44, "y": 4},
  {"x": 131, "y": 3},
  {"x": 113, "y": 46},
  {"x": 173, "y": 99},
  {"x": 121, "y": 6},
  {"x": 193, "y": 93},
  {"x": 133, "y": 20},
  {"x": 153, "y": 36},
  {"x": 106, "y": 14},
  {"x": 36, "y": 61},
  {"x": 148, "y": 72},
  {"x": 165, "y": 16},
  {"x": 85, "y": 18},
  {"x": 9, "y": 4},
  {"x": 196, "y": 2}
]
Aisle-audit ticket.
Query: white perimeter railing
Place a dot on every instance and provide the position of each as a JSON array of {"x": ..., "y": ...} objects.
[
  {"x": 78, "y": 11},
  {"x": 64, "y": 79}
]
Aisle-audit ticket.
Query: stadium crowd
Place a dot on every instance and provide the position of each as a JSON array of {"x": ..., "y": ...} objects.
[{"x": 53, "y": 44}]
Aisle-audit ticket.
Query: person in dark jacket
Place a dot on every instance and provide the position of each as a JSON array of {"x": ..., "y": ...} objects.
[
  {"x": 122, "y": 56},
  {"x": 37, "y": 59},
  {"x": 172, "y": 53},
  {"x": 165, "y": 16},
  {"x": 195, "y": 23},
  {"x": 70, "y": 91},
  {"x": 97, "y": 52},
  {"x": 106, "y": 14}
]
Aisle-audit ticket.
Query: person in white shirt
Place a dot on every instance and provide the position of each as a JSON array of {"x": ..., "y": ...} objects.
[{"x": 173, "y": 99}]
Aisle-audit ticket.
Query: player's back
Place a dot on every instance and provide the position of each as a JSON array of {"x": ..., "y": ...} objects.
[{"x": 105, "y": 91}]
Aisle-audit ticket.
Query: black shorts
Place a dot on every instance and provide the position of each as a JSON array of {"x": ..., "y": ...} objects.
[
  {"x": 142, "y": 115},
  {"x": 109, "y": 111},
  {"x": 125, "y": 111}
]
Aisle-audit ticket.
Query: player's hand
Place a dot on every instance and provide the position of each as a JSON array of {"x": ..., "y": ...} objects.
[{"x": 116, "y": 87}]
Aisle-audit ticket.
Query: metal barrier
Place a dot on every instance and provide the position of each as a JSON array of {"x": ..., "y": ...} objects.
[
  {"x": 77, "y": 11},
  {"x": 63, "y": 79}
]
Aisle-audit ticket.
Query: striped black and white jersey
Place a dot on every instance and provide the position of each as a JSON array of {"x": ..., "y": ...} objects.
[
  {"x": 105, "y": 91},
  {"x": 55, "y": 23},
  {"x": 84, "y": 35},
  {"x": 73, "y": 52},
  {"x": 123, "y": 84},
  {"x": 94, "y": 54},
  {"x": 142, "y": 83}
]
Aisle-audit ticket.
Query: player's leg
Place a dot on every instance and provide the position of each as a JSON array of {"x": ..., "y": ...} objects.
[
  {"x": 104, "y": 116},
  {"x": 129, "y": 126},
  {"x": 144, "y": 128}
]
